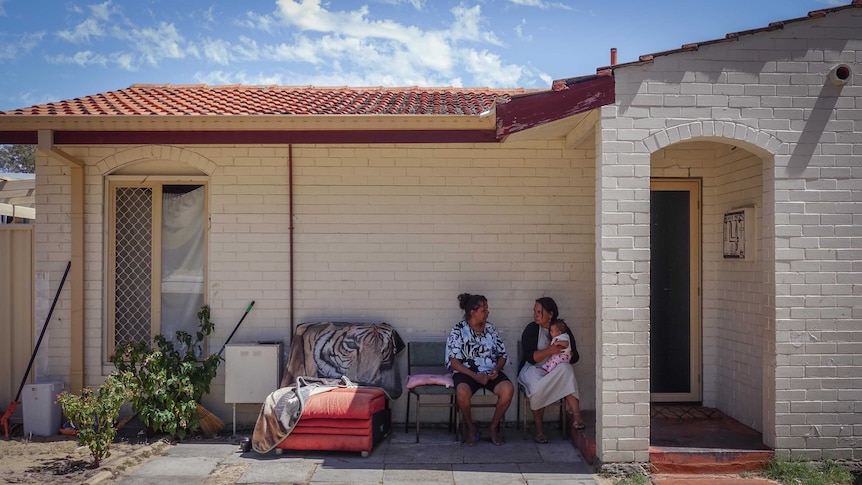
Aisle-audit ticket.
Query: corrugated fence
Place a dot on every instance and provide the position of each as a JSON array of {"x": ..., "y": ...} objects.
[{"x": 16, "y": 307}]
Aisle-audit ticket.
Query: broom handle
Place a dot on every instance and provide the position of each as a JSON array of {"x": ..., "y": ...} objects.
[
  {"x": 44, "y": 327},
  {"x": 236, "y": 328}
]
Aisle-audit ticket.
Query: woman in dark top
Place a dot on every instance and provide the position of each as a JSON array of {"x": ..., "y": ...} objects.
[{"x": 544, "y": 389}]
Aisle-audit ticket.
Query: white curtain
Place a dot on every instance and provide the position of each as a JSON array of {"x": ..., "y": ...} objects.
[{"x": 183, "y": 223}]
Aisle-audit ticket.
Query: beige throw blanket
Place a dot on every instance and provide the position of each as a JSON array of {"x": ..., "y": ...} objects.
[{"x": 283, "y": 408}]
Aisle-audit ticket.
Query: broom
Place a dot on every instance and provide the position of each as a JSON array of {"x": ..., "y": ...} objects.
[{"x": 211, "y": 424}]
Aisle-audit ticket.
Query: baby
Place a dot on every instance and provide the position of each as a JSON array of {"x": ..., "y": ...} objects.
[{"x": 559, "y": 334}]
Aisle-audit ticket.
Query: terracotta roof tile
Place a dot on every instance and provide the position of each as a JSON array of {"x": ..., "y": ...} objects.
[
  {"x": 733, "y": 36},
  {"x": 199, "y": 100}
]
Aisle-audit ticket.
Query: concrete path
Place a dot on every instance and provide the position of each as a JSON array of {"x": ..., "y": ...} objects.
[{"x": 397, "y": 460}]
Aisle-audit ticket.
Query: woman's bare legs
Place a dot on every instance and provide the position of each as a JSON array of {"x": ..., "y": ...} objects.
[
  {"x": 463, "y": 396},
  {"x": 539, "y": 422},
  {"x": 504, "y": 391},
  {"x": 575, "y": 409}
]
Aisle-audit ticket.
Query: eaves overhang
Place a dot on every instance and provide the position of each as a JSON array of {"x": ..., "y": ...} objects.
[
  {"x": 568, "y": 98},
  {"x": 308, "y": 129},
  {"x": 521, "y": 112}
]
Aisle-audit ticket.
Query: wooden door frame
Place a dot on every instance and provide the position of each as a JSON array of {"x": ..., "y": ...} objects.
[{"x": 694, "y": 187}]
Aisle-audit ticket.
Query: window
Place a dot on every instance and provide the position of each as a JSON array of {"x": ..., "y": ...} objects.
[{"x": 157, "y": 255}]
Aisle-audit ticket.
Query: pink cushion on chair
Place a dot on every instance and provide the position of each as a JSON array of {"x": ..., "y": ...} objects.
[{"x": 430, "y": 380}]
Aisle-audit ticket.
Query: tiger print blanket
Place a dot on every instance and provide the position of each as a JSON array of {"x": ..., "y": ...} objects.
[{"x": 363, "y": 352}]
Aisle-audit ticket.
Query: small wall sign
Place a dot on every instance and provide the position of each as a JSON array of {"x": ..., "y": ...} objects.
[{"x": 738, "y": 228}]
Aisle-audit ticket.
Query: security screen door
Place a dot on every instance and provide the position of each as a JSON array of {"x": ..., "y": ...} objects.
[{"x": 675, "y": 336}]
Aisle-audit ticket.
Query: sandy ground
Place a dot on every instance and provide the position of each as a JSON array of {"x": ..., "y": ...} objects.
[{"x": 59, "y": 459}]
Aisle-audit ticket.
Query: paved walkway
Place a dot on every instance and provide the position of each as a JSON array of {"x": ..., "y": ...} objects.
[{"x": 397, "y": 460}]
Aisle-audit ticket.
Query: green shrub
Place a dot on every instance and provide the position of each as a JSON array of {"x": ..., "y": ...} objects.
[
  {"x": 171, "y": 380},
  {"x": 94, "y": 413}
]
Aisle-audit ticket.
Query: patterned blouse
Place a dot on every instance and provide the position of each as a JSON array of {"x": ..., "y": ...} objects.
[{"x": 477, "y": 351}]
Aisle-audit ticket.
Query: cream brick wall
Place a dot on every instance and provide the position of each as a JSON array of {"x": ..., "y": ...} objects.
[
  {"x": 768, "y": 95},
  {"x": 382, "y": 233}
]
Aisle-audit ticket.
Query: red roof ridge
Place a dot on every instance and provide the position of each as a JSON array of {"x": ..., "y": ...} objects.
[{"x": 278, "y": 87}]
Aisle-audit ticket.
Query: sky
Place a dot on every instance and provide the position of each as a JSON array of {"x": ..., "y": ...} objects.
[{"x": 53, "y": 50}]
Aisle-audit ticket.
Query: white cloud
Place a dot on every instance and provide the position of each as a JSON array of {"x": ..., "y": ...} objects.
[
  {"x": 218, "y": 51},
  {"x": 137, "y": 45},
  {"x": 489, "y": 69},
  {"x": 467, "y": 26},
  {"x": 519, "y": 31},
  {"x": 92, "y": 26},
  {"x": 305, "y": 41},
  {"x": 239, "y": 77},
  {"x": 103, "y": 11},
  {"x": 155, "y": 44},
  {"x": 542, "y": 4},
  {"x": 82, "y": 32},
  {"x": 19, "y": 46},
  {"x": 262, "y": 22},
  {"x": 417, "y": 4},
  {"x": 209, "y": 14},
  {"x": 2, "y": 10},
  {"x": 351, "y": 41},
  {"x": 125, "y": 60},
  {"x": 83, "y": 59}
]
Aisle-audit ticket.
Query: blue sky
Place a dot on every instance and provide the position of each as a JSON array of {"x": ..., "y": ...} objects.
[{"x": 54, "y": 50}]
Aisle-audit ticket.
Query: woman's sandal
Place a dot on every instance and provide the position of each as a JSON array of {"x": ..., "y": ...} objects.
[
  {"x": 540, "y": 438},
  {"x": 471, "y": 440},
  {"x": 495, "y": 436},
  {"x": 576, "y": 425}
]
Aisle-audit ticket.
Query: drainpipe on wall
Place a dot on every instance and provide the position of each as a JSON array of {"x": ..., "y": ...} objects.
[
  {"x": 76, "y": 272},
  {"x": 290, "y": 228}
]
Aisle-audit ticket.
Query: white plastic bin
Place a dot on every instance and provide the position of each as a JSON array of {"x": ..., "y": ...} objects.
[{"x": 41, "y": 411}]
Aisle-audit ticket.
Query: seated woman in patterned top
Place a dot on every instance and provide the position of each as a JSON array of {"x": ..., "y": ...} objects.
[{"x": 476, "y": 354}]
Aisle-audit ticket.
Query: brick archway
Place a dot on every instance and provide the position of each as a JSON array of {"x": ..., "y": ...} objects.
[
  {"x": 144, "y": 153},
  {"x": 758, "y": 142}
]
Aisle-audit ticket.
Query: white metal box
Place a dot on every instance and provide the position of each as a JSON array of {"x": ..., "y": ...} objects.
[
  {"x": 41, "y": 411},
  {"x": 252, "y": 372}
]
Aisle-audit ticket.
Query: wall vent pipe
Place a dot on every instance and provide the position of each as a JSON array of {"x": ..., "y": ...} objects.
[{"x": 840, "y": 75}]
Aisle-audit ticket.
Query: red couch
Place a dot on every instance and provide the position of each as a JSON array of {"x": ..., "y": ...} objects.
[{"x": 343, "y": 419}]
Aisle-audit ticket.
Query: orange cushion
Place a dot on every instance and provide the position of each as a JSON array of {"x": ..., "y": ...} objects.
[
  {"x": 331, "y": 430},
  {"x": 344, "y": 403},
  {"x": 327, "y": 442}
]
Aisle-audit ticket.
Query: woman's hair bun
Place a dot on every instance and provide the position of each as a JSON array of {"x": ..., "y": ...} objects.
[{"x": 463, "y": 299}]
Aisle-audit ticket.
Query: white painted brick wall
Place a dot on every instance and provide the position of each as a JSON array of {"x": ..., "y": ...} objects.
[{"x": 768, "y": 94}]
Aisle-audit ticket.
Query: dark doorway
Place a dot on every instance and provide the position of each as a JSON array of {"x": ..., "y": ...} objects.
[{"x": 674, "y": 295}]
